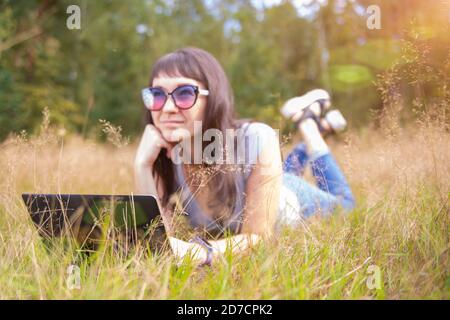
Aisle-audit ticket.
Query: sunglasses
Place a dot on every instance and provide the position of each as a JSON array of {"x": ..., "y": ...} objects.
[{"x": 184, "y": 97}]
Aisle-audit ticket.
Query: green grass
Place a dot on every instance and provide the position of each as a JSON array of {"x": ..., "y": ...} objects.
[
  {"x": 401, "y": 226},
  {"x": 330, "y": 261}
]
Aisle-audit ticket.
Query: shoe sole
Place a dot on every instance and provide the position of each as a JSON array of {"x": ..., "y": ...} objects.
[
  {"x": 336, "y": 120},
  {"x": 294, "y": 105}
]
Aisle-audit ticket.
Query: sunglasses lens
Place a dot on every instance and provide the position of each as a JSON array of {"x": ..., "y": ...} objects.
[
  {"x": 147, "y": 97},
  {"x": 158, "y": 99},
  {"x": 185, "y": 96}
]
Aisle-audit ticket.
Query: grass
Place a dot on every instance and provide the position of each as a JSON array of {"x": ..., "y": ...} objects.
[{"x": 401, "y": 179}]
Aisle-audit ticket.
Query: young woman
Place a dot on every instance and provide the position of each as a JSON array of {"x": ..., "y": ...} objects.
[{"x": 235, "y": 202}]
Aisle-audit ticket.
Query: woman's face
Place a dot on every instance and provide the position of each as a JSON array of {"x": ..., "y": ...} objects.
[{"x": 176, "y": 124}]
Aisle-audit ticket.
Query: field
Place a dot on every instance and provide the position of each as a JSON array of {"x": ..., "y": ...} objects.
[{"x": 395, "y": 245}]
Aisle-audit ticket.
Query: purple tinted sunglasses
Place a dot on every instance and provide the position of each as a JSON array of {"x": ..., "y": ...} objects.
[{"x": 184, "y": 97}]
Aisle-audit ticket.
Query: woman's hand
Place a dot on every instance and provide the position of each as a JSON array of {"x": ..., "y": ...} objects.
[
  {"x": 150, "y": 146},
  {"x": 182, "y": 248}
]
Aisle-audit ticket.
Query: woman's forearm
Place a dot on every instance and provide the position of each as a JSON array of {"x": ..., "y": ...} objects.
[
  {"x": 237, "y": 243},
  {"x": 144, "y": 182}
]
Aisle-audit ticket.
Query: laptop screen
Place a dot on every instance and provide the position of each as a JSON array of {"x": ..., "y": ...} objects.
[{"x": 91, "y": 219}]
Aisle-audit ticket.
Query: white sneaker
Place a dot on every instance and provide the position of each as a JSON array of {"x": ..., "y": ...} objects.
[
  {"x": 296, "y": 104},
  {"x": 336, "y": 120}
]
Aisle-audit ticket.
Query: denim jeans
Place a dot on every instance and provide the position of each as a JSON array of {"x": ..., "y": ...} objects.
[{"x": 331, "y": 188}]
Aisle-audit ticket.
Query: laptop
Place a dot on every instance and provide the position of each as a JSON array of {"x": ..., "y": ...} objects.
[{"x": 94, "y": 219}]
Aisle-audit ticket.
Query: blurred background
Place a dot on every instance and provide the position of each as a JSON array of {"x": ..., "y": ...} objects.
[{"x": 271, "y": 51}]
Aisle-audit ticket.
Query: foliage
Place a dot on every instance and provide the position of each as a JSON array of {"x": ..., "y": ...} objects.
[{"x": 270, "y": 54}]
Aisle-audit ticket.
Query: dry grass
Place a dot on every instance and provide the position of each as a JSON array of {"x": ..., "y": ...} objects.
[{"x": 401, "y": 180}]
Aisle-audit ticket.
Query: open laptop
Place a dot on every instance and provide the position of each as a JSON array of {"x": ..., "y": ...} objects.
[{"x": 93, "y": 219}]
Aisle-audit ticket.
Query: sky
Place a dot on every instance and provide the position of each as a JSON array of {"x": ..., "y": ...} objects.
[
  {"x": 233, "y": 25},
  {"x": 299, "y": 4}
]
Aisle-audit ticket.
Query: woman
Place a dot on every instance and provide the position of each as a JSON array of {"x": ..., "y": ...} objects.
[{"x": 234, "y": 202}]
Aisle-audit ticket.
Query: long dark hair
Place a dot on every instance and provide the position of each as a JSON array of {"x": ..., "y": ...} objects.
[{"x": 197, "y": 64}]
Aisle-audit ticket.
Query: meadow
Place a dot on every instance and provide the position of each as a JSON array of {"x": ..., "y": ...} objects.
[{"x": 394, "y": 245}]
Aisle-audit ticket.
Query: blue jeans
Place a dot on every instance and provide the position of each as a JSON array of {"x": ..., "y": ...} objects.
[{"x": 332, "y": 188}]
